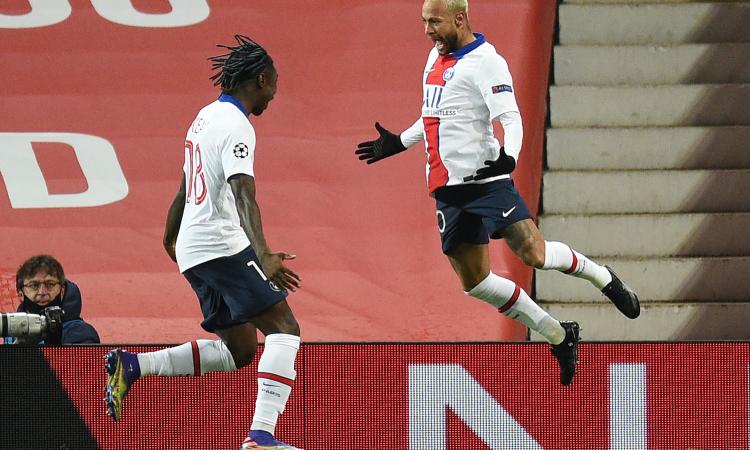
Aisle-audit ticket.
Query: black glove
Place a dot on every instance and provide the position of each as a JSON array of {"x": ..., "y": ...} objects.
[
  {"x": 388, "y": 144},
  {"x": 504, "y": 164}
]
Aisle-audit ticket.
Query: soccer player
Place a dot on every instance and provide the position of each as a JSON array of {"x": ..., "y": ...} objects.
[
  {"x": 467, "y": 85},
  {"x": 214, "y": 233}
]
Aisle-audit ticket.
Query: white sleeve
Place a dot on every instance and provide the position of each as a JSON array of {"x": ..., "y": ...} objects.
[
  {"x": 238, "y": 151},
  {"x": 496, "y": 85},
  {"x": 513, "y": 130},
  {"x": 413, "y": 134}
]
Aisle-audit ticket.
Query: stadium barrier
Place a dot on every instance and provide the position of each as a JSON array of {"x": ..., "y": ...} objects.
[{"x": 366, "y": 396}]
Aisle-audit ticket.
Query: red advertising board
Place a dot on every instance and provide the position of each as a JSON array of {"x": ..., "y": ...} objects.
[{"x": 430, "y": 396}]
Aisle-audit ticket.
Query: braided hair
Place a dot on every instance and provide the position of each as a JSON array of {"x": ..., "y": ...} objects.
[{"x": 244, "y": 61}]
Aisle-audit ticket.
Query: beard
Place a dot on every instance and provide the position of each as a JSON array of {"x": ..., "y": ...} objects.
[{"x": 451, "y": 42}]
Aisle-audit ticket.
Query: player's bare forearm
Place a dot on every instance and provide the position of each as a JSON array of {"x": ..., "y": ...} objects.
[
  {"x": 243, "y": 187},
  {"x": 174, "y": 219},
  {"x": 253, "y": 226}
]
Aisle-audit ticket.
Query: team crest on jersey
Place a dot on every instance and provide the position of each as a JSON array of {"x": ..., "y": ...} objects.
[
  {"x": 501, "y": 88},
  {"x": 240, "y": 150},
  {"x": 448, "y": 74}
]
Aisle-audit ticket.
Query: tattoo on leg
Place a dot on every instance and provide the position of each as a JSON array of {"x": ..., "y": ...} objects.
[{"x": 517, "y": 234}]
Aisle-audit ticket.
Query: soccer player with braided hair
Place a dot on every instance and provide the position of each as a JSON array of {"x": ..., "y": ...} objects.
[{"x": 214, "y": 233}]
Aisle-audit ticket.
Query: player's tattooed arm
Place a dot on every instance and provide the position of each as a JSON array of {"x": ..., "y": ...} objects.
[
  {"x": 243, "y": 188},
  {"x": 174, "y": 218}
]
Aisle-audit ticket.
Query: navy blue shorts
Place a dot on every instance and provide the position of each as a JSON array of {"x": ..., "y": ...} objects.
[
  {"x": 472, "y": 213},
  {"x": 232, "y": 290}
]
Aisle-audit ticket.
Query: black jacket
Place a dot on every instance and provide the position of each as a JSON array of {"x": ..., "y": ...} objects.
[{"x": 75, "y": 330}]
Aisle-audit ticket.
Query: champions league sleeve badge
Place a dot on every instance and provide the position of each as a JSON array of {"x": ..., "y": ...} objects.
[
  {"x": 240, "y": 150},
  {"x": 501, "y": 88}
]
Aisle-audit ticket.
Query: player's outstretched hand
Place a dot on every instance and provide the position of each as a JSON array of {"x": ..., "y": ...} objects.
[
  {"x": 276, "y": 271},
  {"x": 504, "y": 164},
  {"x": 387, "y": 144}
]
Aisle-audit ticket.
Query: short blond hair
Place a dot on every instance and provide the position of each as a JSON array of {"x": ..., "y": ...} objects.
[{"x": 455, "y": 6}]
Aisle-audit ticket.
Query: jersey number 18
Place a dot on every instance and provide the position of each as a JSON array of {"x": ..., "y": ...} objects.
[{"x": 196, "y": 182}]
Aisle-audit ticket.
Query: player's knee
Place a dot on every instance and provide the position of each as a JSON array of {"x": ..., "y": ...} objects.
[
  {"x": 470, "y": 281},
  {"x": 290, "y": 326},
  {"x": 531, "y": 254},
  {"x": 284, "y": 323},
  {"x": 243, "y": 359},
  {"x": 243, "y": 356}
]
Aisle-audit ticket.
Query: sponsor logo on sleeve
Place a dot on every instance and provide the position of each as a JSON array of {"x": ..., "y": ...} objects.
[{"x": 501, "y": 88}]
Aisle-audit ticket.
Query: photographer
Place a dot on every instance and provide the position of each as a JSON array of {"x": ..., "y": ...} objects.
[{"x": 41, "y": 283}]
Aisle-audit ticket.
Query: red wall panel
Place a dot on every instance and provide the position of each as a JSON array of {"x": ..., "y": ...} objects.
[{"x": 369, "y": 252}]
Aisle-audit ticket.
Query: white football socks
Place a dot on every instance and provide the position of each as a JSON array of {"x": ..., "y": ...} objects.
[
  {"x": 559, "y": 256},
  {"x": 191, "y": 358},
  {"x": 515, "y": 303},
  {"x": 276, "y": 377}
]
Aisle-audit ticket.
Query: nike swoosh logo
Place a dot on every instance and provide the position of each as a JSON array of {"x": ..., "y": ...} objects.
[
  {"x": 507, "y": 213},
  {"x": 270, "y": 385}
]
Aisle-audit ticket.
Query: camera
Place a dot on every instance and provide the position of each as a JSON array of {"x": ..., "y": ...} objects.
[{"x": 33, "y": 328}]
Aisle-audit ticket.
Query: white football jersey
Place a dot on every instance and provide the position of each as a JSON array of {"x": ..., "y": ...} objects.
[
  {"x": 463, "y": 92},
  {"x": 220, "y": 143}
]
